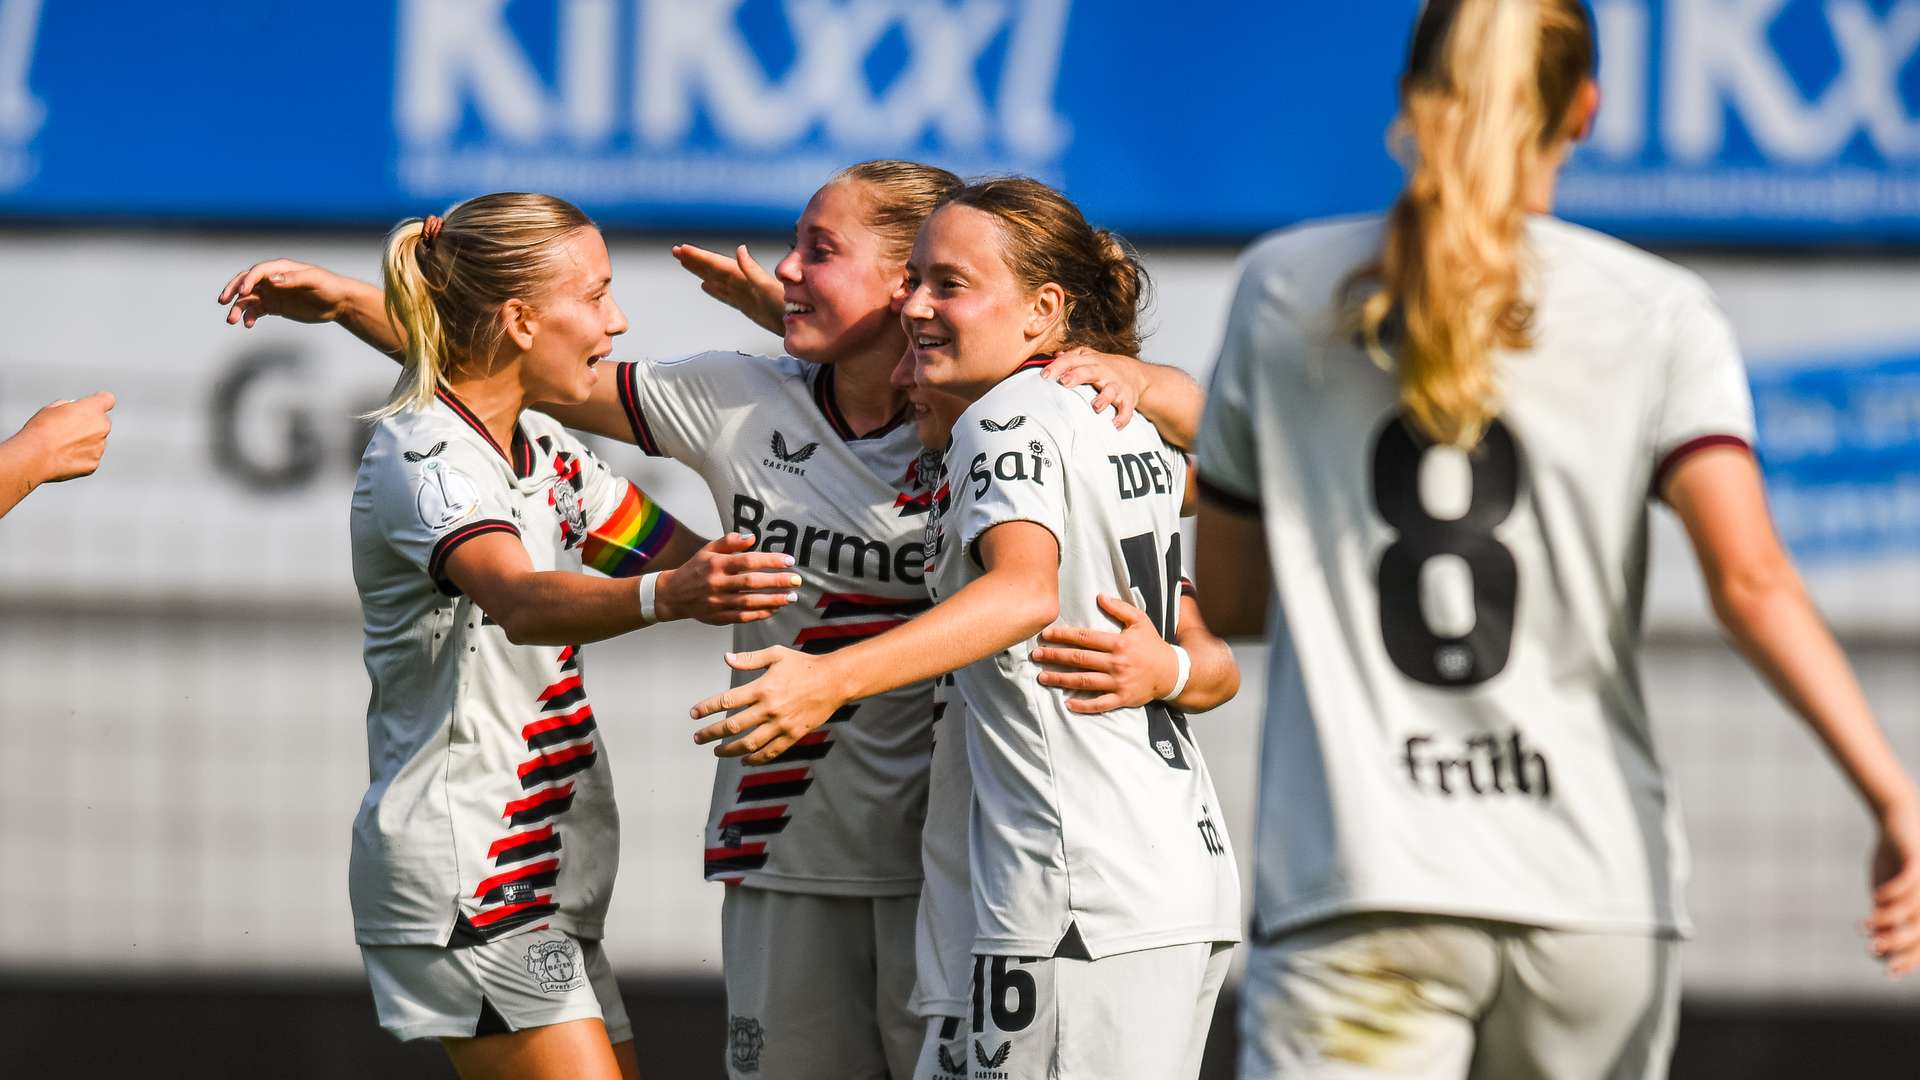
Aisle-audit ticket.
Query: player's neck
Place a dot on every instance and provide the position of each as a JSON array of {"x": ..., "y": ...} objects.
[
  {"x": 864, "y": 391},
  {"x": 496, "y": 399}
]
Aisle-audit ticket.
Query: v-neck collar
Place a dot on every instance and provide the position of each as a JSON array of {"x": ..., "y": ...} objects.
[
  {"x": 829, "y": 408},
  {"x": 521, "y": 459}
]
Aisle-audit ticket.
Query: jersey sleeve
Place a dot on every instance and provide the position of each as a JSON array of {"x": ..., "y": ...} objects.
[
  {"x": 1705, "y": 400},
  {"x": 1012, "y": 470},
  {"x": 676, "y": 406},
  {"x": 625, "y": 528},
  {"x": 1227, "y": 457},
  {"x": 430, "y": 500}
]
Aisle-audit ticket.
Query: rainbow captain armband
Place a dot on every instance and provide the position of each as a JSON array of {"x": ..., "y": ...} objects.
[{"x": 632, "y": 535}]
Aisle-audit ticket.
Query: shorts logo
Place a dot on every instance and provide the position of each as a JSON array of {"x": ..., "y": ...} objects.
[
  {"x": 554, "y": 965},
  {"x": 993, "y": 1061},
  {"x": 745, "y": 1039},
  {"x": 445, "y": 495},
  {"x": 989, "y": 425}
]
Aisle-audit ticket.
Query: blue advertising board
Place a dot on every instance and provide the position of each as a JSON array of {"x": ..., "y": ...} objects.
[
  {"x": 1725, "y": 120},
  {"x": 1840, "y": 441}
]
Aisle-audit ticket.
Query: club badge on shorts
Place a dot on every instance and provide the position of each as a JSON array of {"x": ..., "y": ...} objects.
[
  {"x": 745, "y": 1039},
  {"x": 555, "y": 965}
]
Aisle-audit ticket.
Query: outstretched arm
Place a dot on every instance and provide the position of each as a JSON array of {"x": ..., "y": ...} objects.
[
  {"x": 1759, "y": 599},
  {"x": 304, "y": 293},
  {"x": 721, "y": 583},
  {"x": 1231, "y": 571},
  {"x": 63, "y": 441},
  {"x": 1135, "y": 665},
  {"x": 1011, "y": 602}
]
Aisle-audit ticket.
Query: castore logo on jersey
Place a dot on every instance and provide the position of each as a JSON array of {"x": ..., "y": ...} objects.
[{"x": 787, "y": 460}]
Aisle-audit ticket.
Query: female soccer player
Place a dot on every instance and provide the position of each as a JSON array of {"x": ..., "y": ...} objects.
[
  {"x": 1103, "y": 887},
  {"x": 1435, "y": 435},
  {"x": 484, "y": 851},
  {"x": 816, "y": 460},
  {"x": 1133, "y": 667}
]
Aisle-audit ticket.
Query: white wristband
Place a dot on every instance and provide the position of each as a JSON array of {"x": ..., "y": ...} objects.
[
  {"x": 649, "y": 585},
  {"x": 1180, "y": 678}
]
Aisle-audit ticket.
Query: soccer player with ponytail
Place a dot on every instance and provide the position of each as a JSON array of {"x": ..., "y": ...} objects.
[
  {"x": 483, "y": 854},
  {"x": 1430, "y": 449},
  {"x": 1104, "y": 891}
]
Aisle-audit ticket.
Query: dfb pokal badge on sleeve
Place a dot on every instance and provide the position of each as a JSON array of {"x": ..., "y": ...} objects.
[{"x": 555, "y": 966}]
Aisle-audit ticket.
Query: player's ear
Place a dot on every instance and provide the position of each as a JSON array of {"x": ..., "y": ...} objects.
[
  {"x": 1049, "y": 310},
  {"x": 517, "y": 323}
]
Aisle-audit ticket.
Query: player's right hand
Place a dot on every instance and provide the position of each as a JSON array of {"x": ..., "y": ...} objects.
[
  {"x": 739, "y": 282},
  {"x": 69, "y": 437},
  {"x": 1894, "y": 925},
  {"x": 725, "y": 582},
  {"x": 292, "y": 290}
]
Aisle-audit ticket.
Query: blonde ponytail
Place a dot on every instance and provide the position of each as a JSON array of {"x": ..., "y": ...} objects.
[
  {"x": 444, "y": 291},
  {"x": 1487, "y": 87}
]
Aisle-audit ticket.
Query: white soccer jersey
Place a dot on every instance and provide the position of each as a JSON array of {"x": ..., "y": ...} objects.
[
  {"x": 943, "y": 935},
  {"x": 1104, "y": 825},
  {"x": 840, "y": 812},
  {"x": 490, "y": 810},
  {"x": 1454, "y": 719}
]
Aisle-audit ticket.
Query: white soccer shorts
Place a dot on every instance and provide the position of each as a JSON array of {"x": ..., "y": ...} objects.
[
  {"x": 817, "y": 986},
  {"x": 1413, "y": 997},
  {"x": 524, "y": 981},
  {"x": 1135, "y": 1016}
]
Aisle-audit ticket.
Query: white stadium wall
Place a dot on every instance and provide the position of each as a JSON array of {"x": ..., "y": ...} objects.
[{"x": 181, "y": 697}]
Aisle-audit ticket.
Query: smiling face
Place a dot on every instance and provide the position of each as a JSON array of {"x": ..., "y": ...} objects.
[
  {"x": 934, "y": 411},
  {"x": 840, "y": 283},
  {"x": 563, "y": 335},
  {"x": 969, "y": 321}
]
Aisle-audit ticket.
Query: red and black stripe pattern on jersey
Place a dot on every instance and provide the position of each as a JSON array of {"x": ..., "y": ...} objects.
[
  {"x": 526, "y": 860},
  {"x": 916, "y": 496},
  {"x": 762, "y": 799},
  {"x": 437, "y": 561},
  {"x": 624, "y": 376},
  {"x": 850, "y": 617}
]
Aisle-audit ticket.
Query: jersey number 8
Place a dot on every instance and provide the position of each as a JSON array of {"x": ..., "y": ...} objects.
[{"x": 1420, "y": 653}]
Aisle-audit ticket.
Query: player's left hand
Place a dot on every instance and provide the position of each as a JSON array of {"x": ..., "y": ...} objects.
[
  {"x": 739, "y": 282},
  {"x": 795, "y": 694},
  {"x": 1121, "y": 380},
  {"x": 1894, "y": 925},
  {"x": 1124, "y": 669}
]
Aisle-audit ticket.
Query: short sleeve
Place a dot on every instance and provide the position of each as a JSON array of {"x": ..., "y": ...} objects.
[
  {"x": 433, "y": 498},
  {"x": 625, "y": 528},
  {"x": 1705, "y": 400},
  {"x": 676, "y": 406},
  {"x": 1011, "y": 468},
  {"x": 1228, "y": 459}
]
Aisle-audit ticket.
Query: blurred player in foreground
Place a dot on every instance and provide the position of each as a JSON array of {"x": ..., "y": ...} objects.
[
  {"x": 484, "y": 852},
  {"x": 1435, "y": 435},
  {"x": 1104, "y": 890},
  {"x": 63, "y": 441}
]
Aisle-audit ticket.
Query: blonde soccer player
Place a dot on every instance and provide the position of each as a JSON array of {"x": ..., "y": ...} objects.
[
  {"x": 484, "y": 851},
  {"x": 1434, "y": 435}
]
